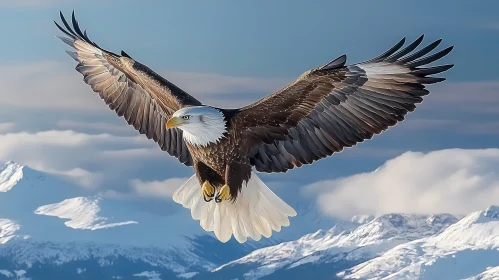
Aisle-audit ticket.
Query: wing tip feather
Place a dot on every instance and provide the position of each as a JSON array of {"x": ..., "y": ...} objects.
[{"x": 335, "y": 63}]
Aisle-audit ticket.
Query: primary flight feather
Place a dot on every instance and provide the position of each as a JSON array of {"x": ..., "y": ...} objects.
[{"x": 325, "y": 110}]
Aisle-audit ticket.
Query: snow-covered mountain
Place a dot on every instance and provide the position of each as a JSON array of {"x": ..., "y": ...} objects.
[
  {"x": 327, "y": 252},
  {"x": 394, "y": 246},
  {"x": 48, "y": 225},
  {"x": 469, "y": 249},
  {"x": 51, "y": 229}
]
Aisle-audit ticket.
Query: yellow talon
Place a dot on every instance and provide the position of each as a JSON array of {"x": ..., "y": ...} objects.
[
  {"x": 208, "y": 191},
  {"x": 223, "y": 194}
]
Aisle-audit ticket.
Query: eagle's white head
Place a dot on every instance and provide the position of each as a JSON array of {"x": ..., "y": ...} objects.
[{"x": 201, "y": 125}]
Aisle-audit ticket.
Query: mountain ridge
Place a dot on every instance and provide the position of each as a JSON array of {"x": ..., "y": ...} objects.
[
  {"x": 473, "y": 240},
  {"x": 346, "y": 241}
]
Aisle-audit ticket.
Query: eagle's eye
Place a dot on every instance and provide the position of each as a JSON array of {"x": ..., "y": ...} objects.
[{"x": 185, "y": 117}]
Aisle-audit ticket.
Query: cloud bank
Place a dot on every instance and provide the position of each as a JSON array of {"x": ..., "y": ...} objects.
[
  {"x": 70, "y": 154},
  {"x": 4, "y": 127},
  {"x": 161, "y": 189},
  {"x": 57, "y": 85},
  {"x": 453, "y": 181},
  {"x": 465, "y": 97}
]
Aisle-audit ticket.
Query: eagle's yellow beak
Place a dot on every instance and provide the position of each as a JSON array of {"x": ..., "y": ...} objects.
[{"x": 174, "y": 122}]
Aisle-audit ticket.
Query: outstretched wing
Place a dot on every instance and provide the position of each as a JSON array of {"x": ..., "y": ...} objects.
[
  {"x": 337, "y": 106},
  {"x": 136, "y": 93}
]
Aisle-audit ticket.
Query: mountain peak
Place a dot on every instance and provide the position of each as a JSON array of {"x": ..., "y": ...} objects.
[
  {"x": 399, "y": 221},
  {"x": 11, "y": 164},
  {"x": 470, "y": 244},
  {"x": 492, "y": 212},
  {"x": 362, "y": 219},
  {"x": 413, "y": 220},
  {"x": 392, "y": 227},
  {"x": 395, "y": 219},
  {"x": 10, "y": 173},
  {"x": 440, "y": 219},
  {"x": 481, "y": 217}
]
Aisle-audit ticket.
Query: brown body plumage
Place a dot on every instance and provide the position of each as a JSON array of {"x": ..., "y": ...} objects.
[{"x": 225, "y": 162}]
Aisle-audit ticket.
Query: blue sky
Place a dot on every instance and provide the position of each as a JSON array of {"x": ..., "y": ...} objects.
[{"x": 231, "y": 53}]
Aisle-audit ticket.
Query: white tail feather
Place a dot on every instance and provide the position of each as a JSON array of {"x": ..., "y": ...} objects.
[{"x": 256, "y": 212}]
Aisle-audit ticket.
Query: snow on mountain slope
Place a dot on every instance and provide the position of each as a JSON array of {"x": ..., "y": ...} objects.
[
  {"x": 492, "y": 273},
  {"x": 150, "y": 275},
  {"x": 26, "y": 254},
  {"x": 8, "y": 229},
  {"x": 10, "y": 174},
  {"x": 346, "y": 241},
  {"x": 277, "y": 256},
  {"x": 82, "y": 213},
  {"x": 465, "y": 249}
]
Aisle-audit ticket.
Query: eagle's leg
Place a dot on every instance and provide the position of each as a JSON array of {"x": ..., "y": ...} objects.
[
  {"x": 224, "y": 192},
  {"x": 235, "y": 174},
  {"x": 208, "y": 179},
  {"x": 208, "y": 191}
]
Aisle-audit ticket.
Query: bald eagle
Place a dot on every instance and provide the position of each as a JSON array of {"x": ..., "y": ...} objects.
[{"x": 323, "y": 111}]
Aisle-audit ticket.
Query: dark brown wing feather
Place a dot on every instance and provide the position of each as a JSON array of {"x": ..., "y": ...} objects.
[
  {"x": 337, "y": 106},
  {"x": 136, "y": 93}
]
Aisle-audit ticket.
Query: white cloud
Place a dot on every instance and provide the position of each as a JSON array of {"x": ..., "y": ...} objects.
[
  {"x": 208, "y": 83},
  {"x": 454, "y": 181},
  {"x": 65, "y": 153},
  {"x": 67, "y": 138},
  {"x": 162, "y": 189},
  {"x": 100, "y": 126},
  {"x": 46, "y": 85},
  {"x": 454, "y": 125},
  {"x": 57, "y": 85},
  {"x": 464, "y": 97},
  {"x": 82, "y": 177},
  {"x": 138, "y": 152},
  {"x": 4, "y": 127}
]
